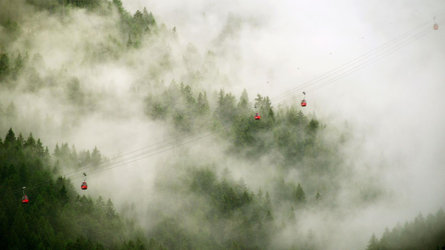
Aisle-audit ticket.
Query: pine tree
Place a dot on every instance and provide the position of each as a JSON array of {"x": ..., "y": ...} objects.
[
  {"x": 373, "y": 243},
  {"x": 299, "y": 194},
  {"x": 4, "y": 65},
  {"x": 96, "y": 157},
  {"x": 243, "y": 104},
  {"x": 10, "y": 137},
  {"x": 20, "y": 140},
  {"x": 203, "y": 103},
  {"x": 30, "y": 142},
  {"x": 57, "y": 151}
]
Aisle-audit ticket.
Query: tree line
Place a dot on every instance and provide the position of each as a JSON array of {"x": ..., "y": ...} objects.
[{"x": 421, "y": 233}]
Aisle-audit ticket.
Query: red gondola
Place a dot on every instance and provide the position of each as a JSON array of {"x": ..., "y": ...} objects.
[
  {"x": 84, "y": 185},
  {"x": 25, "y": 199},
  {"x": 303, "y": 102},
  {"x": 435, "y": 26},
  {"x": 257, "y": 116}
]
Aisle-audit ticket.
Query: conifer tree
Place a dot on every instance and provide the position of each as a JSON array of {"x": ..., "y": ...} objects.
[{"x": 299, "y": 194}]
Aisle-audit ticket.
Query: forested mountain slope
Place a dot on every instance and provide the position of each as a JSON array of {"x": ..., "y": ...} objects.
[
  {"x": 421, "y": 233},
  {"x": 56, "y": 217},
  {"x": 207, "y": 175}
]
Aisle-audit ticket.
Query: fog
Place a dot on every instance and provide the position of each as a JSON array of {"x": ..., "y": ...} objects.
[
  {"x": 81, "y": 88},
  {"x": 395, "y": 105}
]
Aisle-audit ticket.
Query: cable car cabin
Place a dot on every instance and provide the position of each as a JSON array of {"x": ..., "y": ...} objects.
[
  {"x": 25, "y": 199},
  {"x": 257, "y": 116},
  {"x": 436, "y": 26},
  {"x": 84, "y": 186},
  {"x": 303, "y": 103}
]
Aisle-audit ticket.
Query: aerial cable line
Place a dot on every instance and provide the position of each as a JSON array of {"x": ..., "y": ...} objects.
[
  {"x": 140, "y": 156},
  {"x": 334, "y": 75},
  {"x": 366, "y": 63},
  {"x": 319, "y": 85},
  {"x": 147, "y": 150},
  {"x": 359, "y": 62},
  {"x": 149, "y": 154},
  {"x": 164, "y": 148},
  {"x": 356, "y": 61},
  {"x": 167, "y": 141},
  {"x": 351, "y": 63},
  {"x": 144, "y": 154},
  {"x": 121, "y": 157}
]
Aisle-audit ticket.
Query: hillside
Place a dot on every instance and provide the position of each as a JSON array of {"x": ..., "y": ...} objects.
[
  {"x": 421, "y": 233},
  {"x": 167, "y": 135},
  {"x": 56, "y": 217}
]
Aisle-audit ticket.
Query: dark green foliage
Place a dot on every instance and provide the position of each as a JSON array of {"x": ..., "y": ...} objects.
[
  {"x": 422, "y": 233},
  {"x": 10, "y": 25},
  {"x": 56, "y": 216},
  {"x": 318, "y": 196},
  {"x": 179, "y": 105},
  {"x": 312, "y": 126},
  {"x": 75, "y": 160},
  {"x": 202, "y": 104},
  {"x": 52, "y": 5},
  {"x": 299, "y": 194},
  {"x": 95, "y": 156},
  {"x": 373, "y": 243},
  {"x": 90, "y": 4},
  {"x": 264, "y": 106},
  {"x": 289, "y": 192},
  {"x": 83, "y": 243},
  {"x": 225, "y": 196},
  {"x": 49, "y": 5},
  {"x": 74, "y": 92},
  {"x": 172, "y": 234},
  {"x": 226, "y": 108},
  {"x": 232, "y": 202},
  {"x": 139, "y": 245},
  {"x": 4, "y": 65},
  {"x": 243, "y": 104},
  {"x": 235, "y": 218},
  {"x": 288, "y": 130},
  {"x": 135, "y": 26}
]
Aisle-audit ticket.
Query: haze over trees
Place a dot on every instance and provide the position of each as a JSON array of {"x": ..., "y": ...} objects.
[
  {"x": 57, "y": 217},
  {"x": 282, "y": 182},
  {"x": 421, "y": 233}
]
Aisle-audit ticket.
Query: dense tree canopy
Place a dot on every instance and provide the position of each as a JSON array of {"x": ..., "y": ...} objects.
[
  {"x": 421, "y": 233},
  {"x": 214, "y": 209},
  {"x": 56, "y": 216}
]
